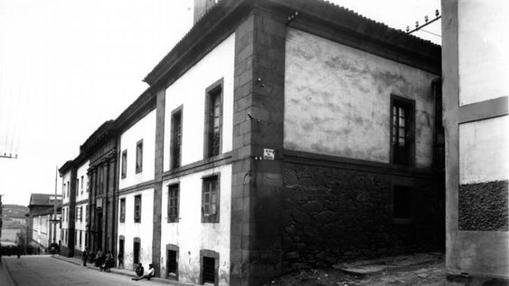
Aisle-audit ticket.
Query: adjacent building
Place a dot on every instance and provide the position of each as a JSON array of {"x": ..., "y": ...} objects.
[
  {"x": 44, "y": 220},
  {"x": 475, "y": 64},
  {"x": 276, "y": 135}
]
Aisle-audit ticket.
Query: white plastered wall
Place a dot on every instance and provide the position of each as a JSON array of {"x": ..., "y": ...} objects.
[
  {"x": 144, "y": 129},
  {"x": 337, "y": 100},
  {"x": 189, "y": 91},
  {"x": 190, "y": 234},
  {"x": 143, "y": 230}
]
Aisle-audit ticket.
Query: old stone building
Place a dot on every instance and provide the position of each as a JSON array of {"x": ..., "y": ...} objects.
[
  {"x": 475, "y": 64},
  {"x": 278, "y": 135},
  {"x": 89, "y": 190}
]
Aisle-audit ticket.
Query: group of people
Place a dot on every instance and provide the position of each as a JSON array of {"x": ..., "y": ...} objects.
[
  {"x": 102, "y": 260},
  {"x": 105, "y": 262}
]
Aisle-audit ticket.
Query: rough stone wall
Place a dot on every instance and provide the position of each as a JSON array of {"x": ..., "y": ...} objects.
[{"x": 332, "y": 214}]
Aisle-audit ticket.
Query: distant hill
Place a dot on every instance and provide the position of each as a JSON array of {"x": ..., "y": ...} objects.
[{"x": 13, "y": 216}]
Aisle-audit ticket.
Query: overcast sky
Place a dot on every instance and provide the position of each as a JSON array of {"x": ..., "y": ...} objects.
[{"x": 66, "y": 66}]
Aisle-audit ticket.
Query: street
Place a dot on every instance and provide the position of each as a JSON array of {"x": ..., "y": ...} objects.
[{"x": 43, "y": 270}]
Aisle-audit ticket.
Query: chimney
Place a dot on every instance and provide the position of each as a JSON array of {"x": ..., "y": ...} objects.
[{"x": 201, "y": 7}]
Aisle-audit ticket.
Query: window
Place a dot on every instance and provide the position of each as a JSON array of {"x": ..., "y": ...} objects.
[
  {"x": 176, "y": 138},
  {"x": 85, "y": 213},
  {"x": 213, "y": 120},
  {"x": 63, "y": 190},
  {"x": 402, "y": 204},
  {"x": 139, "y": 156},
  {"x": 402, "y": 130},
  {"x": 209, "y": 261},
  {"x": 101, "y": 179},
  {"x": 79, "y": 243},
  {"x": 137, "y": 208},
  {"x": 122, "y": 210},
  {"x": 172, "y": 254},
  {"x": 136, "y": 250},
  {"x": 173, "y": 203},
  {"x": 210, "y": 199},
  {"x": 68, "y": 188},
  {"x": 124, "y": 164},
  {"x": 77, "y": 186},
  {"x": 81, "y": 187}
]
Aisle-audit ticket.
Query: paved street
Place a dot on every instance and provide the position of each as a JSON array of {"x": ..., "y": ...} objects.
[{"x": 44, "y": 270}]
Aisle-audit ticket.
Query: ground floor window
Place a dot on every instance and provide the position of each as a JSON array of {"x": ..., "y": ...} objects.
[
  {"x": 172, "y": 264},
  {"x": 136, "y": 251},
  {"x": 209, "y": 261}
]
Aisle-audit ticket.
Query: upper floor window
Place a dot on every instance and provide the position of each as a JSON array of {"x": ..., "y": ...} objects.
[
  {"x": 139, "y": 156},
  {"x": 63, "y": 190},
  {"x": 101, "y": 179},
  {"x": 124, "y": 164},
  {"x": 402, "y": 130},
  {"x": 213, "y": 119},
  {"x": 81, "y": 186},
  {"x": 173, "y": 203},
  {"x": 137, "y": 208},
  {"x": 176, "y": 138},
  {"x": 122, "y": 210},
  {"x": 77, "y": 186},
  {"x": 210, "y": 199},
  {"x": 68, "y": 188}
]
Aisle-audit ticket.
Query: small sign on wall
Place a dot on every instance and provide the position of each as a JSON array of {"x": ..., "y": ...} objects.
[{"x": 268, "y": 154}]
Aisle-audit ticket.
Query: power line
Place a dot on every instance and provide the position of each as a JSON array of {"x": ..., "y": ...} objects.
[{"x": 431, "y": 33}]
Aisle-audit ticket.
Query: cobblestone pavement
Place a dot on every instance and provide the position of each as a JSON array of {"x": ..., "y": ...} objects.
[{"x": 43, "y": 270}]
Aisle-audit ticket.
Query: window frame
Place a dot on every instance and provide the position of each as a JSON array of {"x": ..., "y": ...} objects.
[
  {"x": 174, "y": 161},
  {"x": 409, "y": 106},
  {"x": 137, "y": 218},
  {"x": 205, "y": 253},
  {"x": 123, "y": 166},
  {"x": 173, "y": 217},
  {"x": 211, "y": 218},
  {"x": 139, "y": 157},
  {"x": 81, "y": 184},
  {"x": 214, "y": 89},
  {"x": 121, "y": 216}
]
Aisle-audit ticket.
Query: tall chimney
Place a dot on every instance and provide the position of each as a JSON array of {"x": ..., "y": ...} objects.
[{"x": 201, "y": 7}]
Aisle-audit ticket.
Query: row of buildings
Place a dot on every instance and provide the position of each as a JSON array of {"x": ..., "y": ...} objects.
[{"x": 275, "y": 135}]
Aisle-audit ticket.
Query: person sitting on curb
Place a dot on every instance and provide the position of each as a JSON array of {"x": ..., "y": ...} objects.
[{"x": 149, "y": 274}]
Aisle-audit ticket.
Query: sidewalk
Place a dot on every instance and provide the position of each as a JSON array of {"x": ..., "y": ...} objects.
[
  {"x": 5, "y": 277},
  {"x": 125, "y": 272}
]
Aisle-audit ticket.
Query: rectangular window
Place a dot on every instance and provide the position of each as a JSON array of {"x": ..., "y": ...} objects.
[
  {"x": 139, "y": 156},
  {"x": 213, "y": 120},
  {"x": 81, "y": 187},
  {"x": 124, "y": 164},
  {"x": 101, "y": 179},
  {"x": 85, "y": 213},
  {"x": 172, "y": 264},
  {"x": 79, "y": 243},
  {"x": 402, "y": 207},
  {"x": 210, "y": 199},
  {"x": 137, "y": 208},
  {"x": 176, "y": 138},
  {"x": 136, "y": 251},
  {"x": 68, "y": 188},
  {"x": 77, "y": 186},
  {"x": 173, "y": 203},
  {"x": 208, "y": 270},
  {"x": 122, "y": 210},
  {"x": 402, "y": 130},
  {"x": 63, "y": 190}
]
